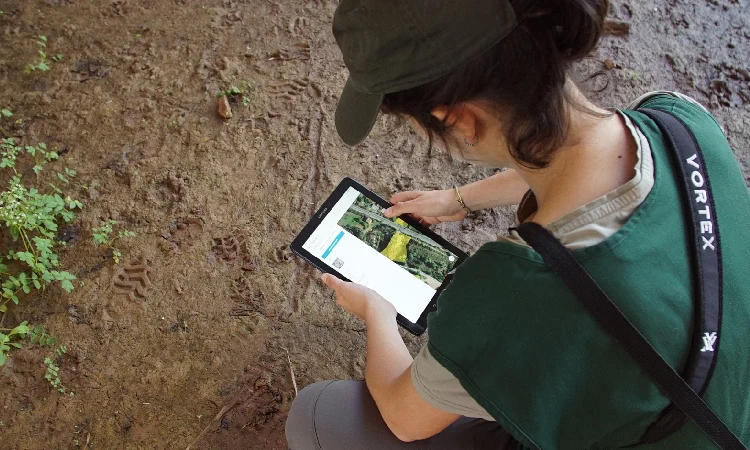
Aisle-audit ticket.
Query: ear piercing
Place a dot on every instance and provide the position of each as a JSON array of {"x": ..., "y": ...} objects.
[{"x": 471, "y": 144}]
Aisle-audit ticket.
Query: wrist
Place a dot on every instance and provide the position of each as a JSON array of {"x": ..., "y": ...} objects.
[{"x": 379, "y": 309}]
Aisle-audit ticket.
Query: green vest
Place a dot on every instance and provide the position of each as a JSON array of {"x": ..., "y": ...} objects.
[{"x": 526, "y": 351}]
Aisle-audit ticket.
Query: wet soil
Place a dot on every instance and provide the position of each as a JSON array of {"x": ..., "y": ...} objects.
[{"x": 189, "y": 339}]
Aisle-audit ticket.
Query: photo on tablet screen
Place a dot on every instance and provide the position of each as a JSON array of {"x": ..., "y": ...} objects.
[
  {"x": 398, "y": 241},
  {"x": 389, "y": 256}
]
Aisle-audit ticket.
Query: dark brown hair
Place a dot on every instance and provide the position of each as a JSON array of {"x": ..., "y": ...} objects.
[{"x": 524, "y": 74}]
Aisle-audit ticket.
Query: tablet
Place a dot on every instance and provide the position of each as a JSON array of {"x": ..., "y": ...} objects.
[{"x": 405, "y": 262}]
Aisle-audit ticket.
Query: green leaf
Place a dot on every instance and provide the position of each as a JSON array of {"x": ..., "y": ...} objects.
[
  {"x": 21, "y": 330},
  {"x": 6, "y": 113},
  {"x": 15, "y": 344},
  {"x": 67, "y": 286},
  {"x": 2, "y": 359}
]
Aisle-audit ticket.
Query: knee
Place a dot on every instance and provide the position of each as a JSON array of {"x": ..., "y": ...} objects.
[{"x": 300, "y": 425}]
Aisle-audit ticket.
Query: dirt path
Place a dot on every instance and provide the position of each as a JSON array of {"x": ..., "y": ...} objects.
[{"x": 214, "y": 202}]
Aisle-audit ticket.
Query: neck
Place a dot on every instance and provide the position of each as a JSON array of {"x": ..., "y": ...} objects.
[{"x": 596, "y": 158}]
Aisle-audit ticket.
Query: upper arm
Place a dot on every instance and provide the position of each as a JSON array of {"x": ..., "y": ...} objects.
[{"x": 408, "y": 415}]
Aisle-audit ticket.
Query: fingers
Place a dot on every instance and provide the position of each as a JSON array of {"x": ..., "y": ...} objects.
[
  {"x": 399, "y": 209},
  {"x": 403, "y": 203},
  {"x": 405, "y": 196}
]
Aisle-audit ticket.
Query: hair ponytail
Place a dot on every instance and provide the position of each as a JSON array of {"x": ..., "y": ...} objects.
[{"x": 575, "y": 26}]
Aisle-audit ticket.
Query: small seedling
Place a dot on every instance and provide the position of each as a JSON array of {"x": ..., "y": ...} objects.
[
  {"x": 42, "y": 64},
  {"x": 244, "y": 91},
  {"x": 53, "y": 372},
  {"x": 58, "y": 57},
  {"x": 38, "y": 335},
  {"x": 6, "y": 113},
  {"x": 103, "y": 236}
]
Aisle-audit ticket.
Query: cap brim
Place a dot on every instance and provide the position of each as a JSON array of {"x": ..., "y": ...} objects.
[{"x": 356, "y": 114}]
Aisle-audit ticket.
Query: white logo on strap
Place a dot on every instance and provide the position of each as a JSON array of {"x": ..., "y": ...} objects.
[{"x": 709, "y": 339}]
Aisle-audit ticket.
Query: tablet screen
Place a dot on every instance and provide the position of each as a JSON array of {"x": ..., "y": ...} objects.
[{"x": 387, "y": 255}]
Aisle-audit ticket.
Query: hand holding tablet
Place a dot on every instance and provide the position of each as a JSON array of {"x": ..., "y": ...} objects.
[
  {"x": 357, "y": 299},
  {"x": 403, "y": 261}
]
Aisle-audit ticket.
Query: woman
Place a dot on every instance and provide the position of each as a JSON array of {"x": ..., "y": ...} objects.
[{"x": 513, "y": 360}]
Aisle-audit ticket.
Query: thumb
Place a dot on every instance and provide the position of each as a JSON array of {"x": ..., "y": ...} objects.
[{"x": 333, "y": 282}]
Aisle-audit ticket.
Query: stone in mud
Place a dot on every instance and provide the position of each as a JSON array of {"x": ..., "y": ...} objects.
[{"x": 225, "y": 110}]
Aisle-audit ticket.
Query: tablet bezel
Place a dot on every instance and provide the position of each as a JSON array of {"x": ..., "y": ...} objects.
[{"x": 415, "y": 328}]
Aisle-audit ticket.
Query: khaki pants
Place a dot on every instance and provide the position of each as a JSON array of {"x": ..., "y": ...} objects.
[{"x": 341, "y": 415}]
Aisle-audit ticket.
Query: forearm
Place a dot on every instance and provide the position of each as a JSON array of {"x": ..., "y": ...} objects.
[
  {"x": 387, "y": 359},
  {"x": 503, "y": 188}
]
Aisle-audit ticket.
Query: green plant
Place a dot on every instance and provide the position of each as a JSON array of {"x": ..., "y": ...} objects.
[
  {"x": 31, "y": 218},
  {"x": 103, "y": 236},
  {"x": 244, "y": 91},
  {"x": 10, "y": 340},
  {"x": 53, "y": 372},
  {"x": 42, "y": 64},
  {"x": 38, "y": 335},
  {"x": 6, "y": 112}
]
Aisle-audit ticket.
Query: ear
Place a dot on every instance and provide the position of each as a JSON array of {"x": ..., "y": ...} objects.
[{"x": 463, "y": 118}]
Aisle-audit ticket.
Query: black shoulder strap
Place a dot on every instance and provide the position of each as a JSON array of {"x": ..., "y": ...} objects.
[
  {"x": 702, "y": 223},
  {"x": 684, "y": 395}
]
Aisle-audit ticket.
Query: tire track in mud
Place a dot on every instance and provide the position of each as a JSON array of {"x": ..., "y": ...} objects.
[
  {"x": 319, "y": 167},
  {"x": 302, "y": 275}
]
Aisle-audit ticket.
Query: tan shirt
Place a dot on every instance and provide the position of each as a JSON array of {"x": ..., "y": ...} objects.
[{"x": 584, "y": 227}]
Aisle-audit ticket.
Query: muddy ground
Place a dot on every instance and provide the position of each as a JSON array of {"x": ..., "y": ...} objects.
[{"x": 216, "y": 306}]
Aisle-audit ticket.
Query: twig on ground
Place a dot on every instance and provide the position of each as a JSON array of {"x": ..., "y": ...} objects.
[
  {"x": 291, "y": 371},
  {"x": 228, "y": 407}
]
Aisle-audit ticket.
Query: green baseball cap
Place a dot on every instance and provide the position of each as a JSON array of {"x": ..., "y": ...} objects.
[{"x": 395, "y": 45}]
